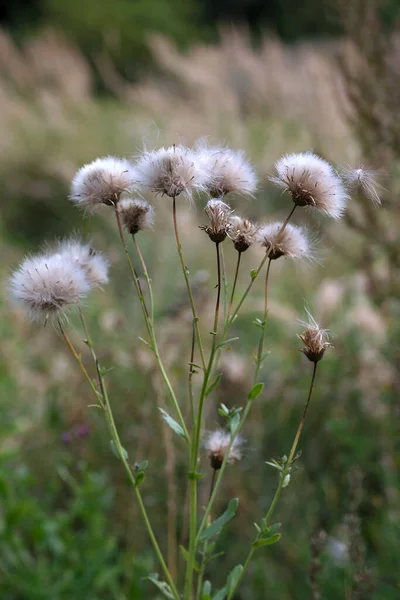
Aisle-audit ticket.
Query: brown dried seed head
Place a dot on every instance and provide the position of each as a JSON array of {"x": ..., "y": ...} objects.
[
  {"x": 315, "y": 340},
  {"x": 243, "y": 233},
  {"x": 217, "y": 444},
  {"x": 219, "y": 214},
  {"x": 136, "y": 215}
]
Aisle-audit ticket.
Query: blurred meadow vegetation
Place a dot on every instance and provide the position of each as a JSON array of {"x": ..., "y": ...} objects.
[{"x": 68, "y": 520}]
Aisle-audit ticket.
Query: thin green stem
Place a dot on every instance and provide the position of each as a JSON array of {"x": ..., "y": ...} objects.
[
  {"x": 148, "y": 280},
  {"x": 264, "y": 324},
  {"x": 196, "y": 441},
  {"x": 282, "y": 477},
  {"x": 212, "y": 483},
  {"x": 192, "y": 538},
  {"x": 132, "y": 270},
  {"x": 149, "y": 321},
  {"x": 200, "y": 576},
  {"x": 258, "y": 365},
  {"x": 245, "y": 566},
  {"x": 188, "y": 286},
  {"x": 191, "y": 373},
  {"x": 235, "y": 282},
  {"x": 220, "y": 475},
  {"x": 120, "y": 450},
  {"x": 303, "y": 418},
  {"x": 224, "y": 283},
  {"x": 254, "y": 275},
  {"x": 80, "y": 363}
]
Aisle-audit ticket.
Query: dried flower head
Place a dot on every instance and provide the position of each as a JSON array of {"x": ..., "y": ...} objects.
[
  {"x": 217, "y": 443},
  {"x": 291, "y": 242},
  {"x": 102, "y": 182},
  {"x": 243, "y": 233},
  {"x": 315, "y": 339},
  {"x": 228, "y": 170},
  {"x": 47, "y": 285},
  {"x": 219, "y": 214},
  {"x": 93, "y": 263},
  {"x": 171, "y": 171},
  {"x": 136, "y": 215},
  {"x": 362, "y": 179},
  {"x": 311, "y": 181}
]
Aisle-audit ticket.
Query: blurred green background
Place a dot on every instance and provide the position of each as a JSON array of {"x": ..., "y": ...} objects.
[{"x": 80, "y": 80}]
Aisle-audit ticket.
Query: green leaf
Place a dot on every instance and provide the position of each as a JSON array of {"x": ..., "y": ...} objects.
[
  {"x": 214, "y": 384},
  {"x": 162, "y": 586},
  {"x": 233, "y": 578},
  {"x": 273, "y": 529},
  {"x": 218, "y": 524},
  {"x": 213, "y": 557},
  {"x": 234, "y": 423},
  {"x": 139, "y": 478},
  {"x": 221, "y": 594},
  {"x": 172, "y": 423},
  {"x": 196, "y": 366},
  {"x": 227, "y": 342},
  {"x": 267, "y": 541},
  {"x": 115, "y": 451},
  {"x": 185, "y": 555},
  {"x": 195, "y": 476},
  {"x": 142, "y": 466},
  {"x": 253, "y": 273},
  {"x": 206, "y": 594},
  {"x": 256, "y": 391}
]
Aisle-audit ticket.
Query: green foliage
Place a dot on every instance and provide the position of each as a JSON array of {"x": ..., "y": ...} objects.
[{"x": 61, "y": 551}]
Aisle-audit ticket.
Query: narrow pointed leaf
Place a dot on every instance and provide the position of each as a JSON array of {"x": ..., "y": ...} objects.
[
  {"x": 172, "y": 423},
  {"x": 227, "y": 342},
  {"x": 221, "y": 594},
  {"x": 256, "y": 391},
  {"x": 206, "y": 594},
  {"x": 267, "y": 541},
  {"x": 218, "y": 524},
  {"x": 162, "y": 586},
  {"x": 233, "y": 578},
  {"x": 214, "y": 384},
  {"x": 115, "y": 451}
]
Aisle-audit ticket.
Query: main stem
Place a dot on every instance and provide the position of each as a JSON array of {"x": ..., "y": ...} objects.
[
  {"x": 196, "y": 443},
  {"x": 187, "y": 281}
]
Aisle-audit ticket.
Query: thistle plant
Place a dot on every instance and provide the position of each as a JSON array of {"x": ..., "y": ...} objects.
[{"x": 58, "y": 279}]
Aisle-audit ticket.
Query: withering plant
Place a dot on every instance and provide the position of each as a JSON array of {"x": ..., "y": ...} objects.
[{"x": 59, "y": 278}]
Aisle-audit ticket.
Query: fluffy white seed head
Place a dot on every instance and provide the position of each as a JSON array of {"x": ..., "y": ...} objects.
[
  {"x": 219, "y": 214},
  {"x": 228, "y": 171},
  {"x": 47, "y": 285},
  {"x": 243, "y": 233},
  {"x": 171, "y": 171},
  {"x": 311, "y": 181},
  {"x": 136, "y": 214},
  {"x": 362, "y": 179},
  {"x": 216, "y": 444},
  {"x": 314, "y": 338},
  {"x": 102, "y": 182},
  {"x": 93, "y": 263},
  {"x": 291, "y": 242}
]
